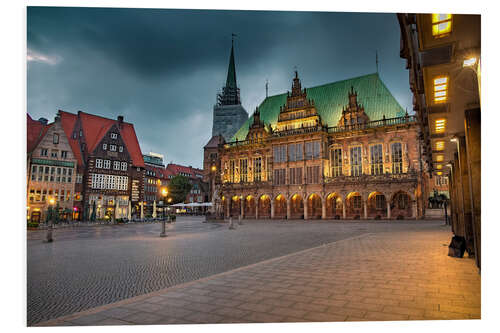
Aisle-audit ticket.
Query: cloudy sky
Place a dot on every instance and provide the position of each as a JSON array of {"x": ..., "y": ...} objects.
[{"x": 161, "y": 69}]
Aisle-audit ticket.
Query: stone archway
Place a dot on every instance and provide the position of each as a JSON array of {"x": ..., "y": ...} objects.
[
  {"x": 401, "y": 205},
  {"x": 280, "y": 207},
  {"x": 333, "y": 206},
  {"x": 235, "y": 210},
  {"x": 250, "y": 207},
  {"x": 376, "y": 205},
  {"x": 296, "y": 207},
  {"x": 314, "y": 207},
  {"x": 264, "y": 207},
  {"x": 354, "y": 206}
]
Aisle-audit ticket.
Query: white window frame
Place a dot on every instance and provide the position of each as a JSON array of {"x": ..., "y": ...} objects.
[
  {"x": 98, "y": 163},
  {"x": 104, "y": 146}
]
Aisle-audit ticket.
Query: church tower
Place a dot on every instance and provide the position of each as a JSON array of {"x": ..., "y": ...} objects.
[{"x": 229, "y": 114}]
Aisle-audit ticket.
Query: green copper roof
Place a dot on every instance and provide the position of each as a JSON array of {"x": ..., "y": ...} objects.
[
  {"x": 329, "y": 100},
  {"x": 231, "y": 72}
]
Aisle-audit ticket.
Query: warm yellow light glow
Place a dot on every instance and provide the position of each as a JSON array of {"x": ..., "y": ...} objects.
[
  {"x": 164, "y": 192},
  {"x": 439, "y": 158},
  {"x": 439, "y": 173},
  {"x": 52, "y": 201},
  {"x": 441, "y": 80},
  {"x": 169, "y": 199},
  {"x": 440, "y": 125},
  {"x": 441, "y": 24},
  {"x": 439, "y": 145},
  {"x": 439, "y": 166},
  {"x": 440, "y": 89},
  {"x": 470, "y": 62},
  {"x": 213, "y": 168}
]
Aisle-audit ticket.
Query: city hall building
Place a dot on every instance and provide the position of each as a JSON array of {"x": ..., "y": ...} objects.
[{"x": 342, "y": 150}]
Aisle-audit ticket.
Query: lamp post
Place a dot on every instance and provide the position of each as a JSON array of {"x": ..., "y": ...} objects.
[
  {"x": 48, "y": 237},
  {"x": 164, "y": 193}
]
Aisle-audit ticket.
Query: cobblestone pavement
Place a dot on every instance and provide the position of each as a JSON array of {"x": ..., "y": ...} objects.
[{"x": 86, "y": 268}]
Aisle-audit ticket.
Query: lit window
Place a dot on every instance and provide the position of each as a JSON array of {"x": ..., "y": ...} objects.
[
  {"x": 440, "y": 89},
  {"x": 440, "y": 125},
  {"x": 439, "y": 158},
  {"x": 441, "y": 24},
  {"x": 439, "y": 173},
  {"x": 439, "y": 166},
  {"x": 439, "y": 145}
]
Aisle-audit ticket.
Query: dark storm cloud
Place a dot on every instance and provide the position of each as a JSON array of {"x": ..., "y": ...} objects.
[{"x": 161, "y": 69}]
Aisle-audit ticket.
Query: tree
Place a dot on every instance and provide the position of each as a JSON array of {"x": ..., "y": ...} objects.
[{"x": 179, "y": 188}]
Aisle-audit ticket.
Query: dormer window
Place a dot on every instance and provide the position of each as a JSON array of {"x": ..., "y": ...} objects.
[
  {"x": 104, "y": 146},
  {"x": 112, "y": 147},
  {"x": 120, "y": 149},
  {"x": 114, "y": 135}
]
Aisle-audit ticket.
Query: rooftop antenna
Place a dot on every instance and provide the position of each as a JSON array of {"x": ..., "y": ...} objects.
[
  {"x": 376, "y": 60},
  {"x": 232, "y": 38},
  {"x": 267, "y": 87}
]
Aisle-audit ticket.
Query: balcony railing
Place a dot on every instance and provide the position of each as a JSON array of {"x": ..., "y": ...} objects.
[
  {"x": 373, "y": 124},
  {"x": 335, "y": 129}
]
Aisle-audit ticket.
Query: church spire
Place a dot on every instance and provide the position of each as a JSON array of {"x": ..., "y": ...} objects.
[
  {"x": 231, "y": 70},
  {"x": 230, "y": 92}
]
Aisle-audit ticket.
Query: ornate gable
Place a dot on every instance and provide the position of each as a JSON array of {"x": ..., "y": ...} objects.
[
  {"x": 298, "y": 111},
  {"x": 257, "y": 130},
  {"x": 353, "y": 113}
]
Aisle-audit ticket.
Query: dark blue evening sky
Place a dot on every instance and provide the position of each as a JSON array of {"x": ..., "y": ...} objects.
[{"x": 161, "y": 69}]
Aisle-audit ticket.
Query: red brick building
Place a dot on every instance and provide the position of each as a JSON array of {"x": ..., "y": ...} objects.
[
  {"x": 110, "y": 167},
  {"x": 199, "y": 190}
]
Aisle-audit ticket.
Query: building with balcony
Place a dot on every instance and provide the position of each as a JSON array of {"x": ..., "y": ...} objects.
[
  {"x": 443, "y": 54},
  {"x": 343, "y": 150}
]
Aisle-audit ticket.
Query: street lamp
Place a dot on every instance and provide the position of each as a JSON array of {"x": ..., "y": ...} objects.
[
  {"x": 164, "y": 193},
  {"x": 52, "y": 202}
]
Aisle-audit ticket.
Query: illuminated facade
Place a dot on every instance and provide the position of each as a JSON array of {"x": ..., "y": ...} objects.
[
  {"x": 443, "y": 54},
  {"x": 345, "y": 150},
  {"x": 51, "y": 170}
]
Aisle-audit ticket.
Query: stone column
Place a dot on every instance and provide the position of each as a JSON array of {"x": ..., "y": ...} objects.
[
  {"x": 343, "y": 210},
  {"x": 365, "y": 210},
  {"x": 388, "y": 210},
  {"x": 272, "y": 208},
  {"x": 228, "y": 208},
  {"x": 473, "y": 140},
  {"x": 306, "y": 216},
  {"x": 242, "y": 207},
  {"x": 288, "y": 209},
  {"x": 323, "y": 208},
  {"x": 414, "y": 209},
  {"x": 257, "y": 209},
  {"x": 466, "y": 195}
]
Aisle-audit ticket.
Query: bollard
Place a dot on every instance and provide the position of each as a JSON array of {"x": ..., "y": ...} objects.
[
  {"x": 163, "y": 232},
  {"x": 240, "y": 220},
  {"x": 231, "y": 225},
  {"x": 48, "y": 238}
]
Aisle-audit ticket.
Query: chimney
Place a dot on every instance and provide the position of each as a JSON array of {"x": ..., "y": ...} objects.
[
  {"x": 43, "y": 121},
  {"x": 120, "y": 121}
]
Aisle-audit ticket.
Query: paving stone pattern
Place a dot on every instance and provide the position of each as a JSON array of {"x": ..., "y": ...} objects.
[{"x": 392, "y": 275}]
